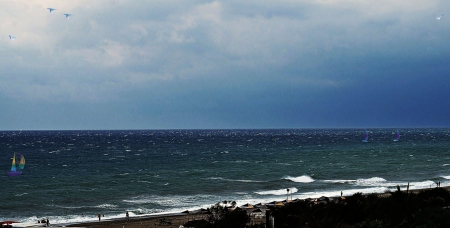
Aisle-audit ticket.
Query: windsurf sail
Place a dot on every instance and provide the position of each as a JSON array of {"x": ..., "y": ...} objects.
[
  {"x": 16, "y": 170},
  {"x": 13, "y": 166},
  {"x": 397, "y": 136},
  {"x": 22, "y": 162},
  {"x": 366, "y": 136}
]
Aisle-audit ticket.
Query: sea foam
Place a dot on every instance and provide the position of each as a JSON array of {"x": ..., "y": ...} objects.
[
  {"x": 374, "y": 181},
  {"x": 300, "y": 179},
  {"x": 278, "y": 192}
]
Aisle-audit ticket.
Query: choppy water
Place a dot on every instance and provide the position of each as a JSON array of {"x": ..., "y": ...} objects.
[{"x": 71, "y": 176}]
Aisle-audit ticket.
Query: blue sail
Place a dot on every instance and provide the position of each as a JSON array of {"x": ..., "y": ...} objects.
[
  {"x": 366, "y": 136},
  {"x": 397, "y": 136},
  {"x": 16, "y": 171}
]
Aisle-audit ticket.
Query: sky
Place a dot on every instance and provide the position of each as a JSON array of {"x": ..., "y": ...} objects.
[{"x": 192, "y": 64}]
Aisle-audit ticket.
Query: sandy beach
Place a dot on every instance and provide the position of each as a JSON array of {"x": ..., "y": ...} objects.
[
  {"x": 170, "y": 221},
  {"x": 151, "y": 221}
]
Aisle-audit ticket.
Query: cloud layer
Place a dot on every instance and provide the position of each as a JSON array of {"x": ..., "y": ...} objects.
[{"x": 119, "y": 64}]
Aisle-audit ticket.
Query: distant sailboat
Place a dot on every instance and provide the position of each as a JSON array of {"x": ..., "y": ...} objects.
[
  {"x": 366, "y": 136},
  {"x": 397, "y": 136},
  {"x": 16, "y": 170}
]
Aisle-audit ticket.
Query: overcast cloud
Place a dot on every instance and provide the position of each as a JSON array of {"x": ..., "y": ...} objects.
[{"x": 172, "y": 64}]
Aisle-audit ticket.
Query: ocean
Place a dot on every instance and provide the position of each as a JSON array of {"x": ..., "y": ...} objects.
[{"x": 71, "y": 176}]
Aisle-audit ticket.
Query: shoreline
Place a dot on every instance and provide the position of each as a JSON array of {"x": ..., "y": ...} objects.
[{"x": 173, "y": 220}]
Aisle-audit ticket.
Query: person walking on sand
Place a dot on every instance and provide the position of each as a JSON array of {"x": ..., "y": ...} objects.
[
  {"x": 128, "y": 216},
  {"x": 99, "y": 216}
]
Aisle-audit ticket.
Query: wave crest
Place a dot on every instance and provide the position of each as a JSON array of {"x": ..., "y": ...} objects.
[
  {"x": 278, "y": 192},
  {"x": 374, "y": 181},
  {"x": 300, "y": 179}
]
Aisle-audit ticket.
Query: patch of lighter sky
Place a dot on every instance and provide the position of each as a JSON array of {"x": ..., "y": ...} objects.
[
  {"x": 381, "y": 4},
  {"x": 256, "y": 36},
  {"x": 318, "y": 83},
  {"x": 209, "y": 14},
  {"x": 108, "y": 54}
]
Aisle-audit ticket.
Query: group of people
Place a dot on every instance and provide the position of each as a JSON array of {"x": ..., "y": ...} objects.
[
  {"x": 47, "y": 223},
  {"x": 99, "y": 217}
]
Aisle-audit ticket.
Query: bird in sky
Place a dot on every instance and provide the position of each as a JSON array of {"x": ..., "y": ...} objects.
[
  {"x": 11, "y": 37},
  {"x": 51, "y": 9},
  {"x": 439, "y": 17},
  {"x": 67, "y": 15}
]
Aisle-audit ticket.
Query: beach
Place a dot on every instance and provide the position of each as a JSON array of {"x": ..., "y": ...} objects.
[
  {"x": 151, "y": 221},
  {"x": 177, "y": 219},
  {"x": 167, "y": 221}
]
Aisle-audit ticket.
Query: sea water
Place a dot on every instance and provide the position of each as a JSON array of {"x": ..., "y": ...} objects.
[{"x": 71, "y": 176}]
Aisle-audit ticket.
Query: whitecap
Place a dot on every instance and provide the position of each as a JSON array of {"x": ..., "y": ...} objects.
[
  {"x": 300, "y": 179},
  {"x": 21, "y": 194},
  {"x": 249, "y": 181},
  {"x": 347, "y": 192},
  {"x": 340, "y": 181},
  {"x": 278, "y": 192},
  {"x": 374, "y": 181},
  {"x": 106, "y": 205},
  {"x": 214, "y": 178},
  {"x": 224, "y": 179},
  {"x": 421, "y": 185}
]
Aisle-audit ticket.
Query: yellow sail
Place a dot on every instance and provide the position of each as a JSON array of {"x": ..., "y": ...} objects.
[
  {"x": 13, "y": 166},
  {"x": 22, "y": 162}
]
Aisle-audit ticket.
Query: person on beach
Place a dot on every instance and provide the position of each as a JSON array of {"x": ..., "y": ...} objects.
[
  {"x": 99, "y": 216},
  {"x": 128, "y": 216},
  {"x": 48, "y": 223}
]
